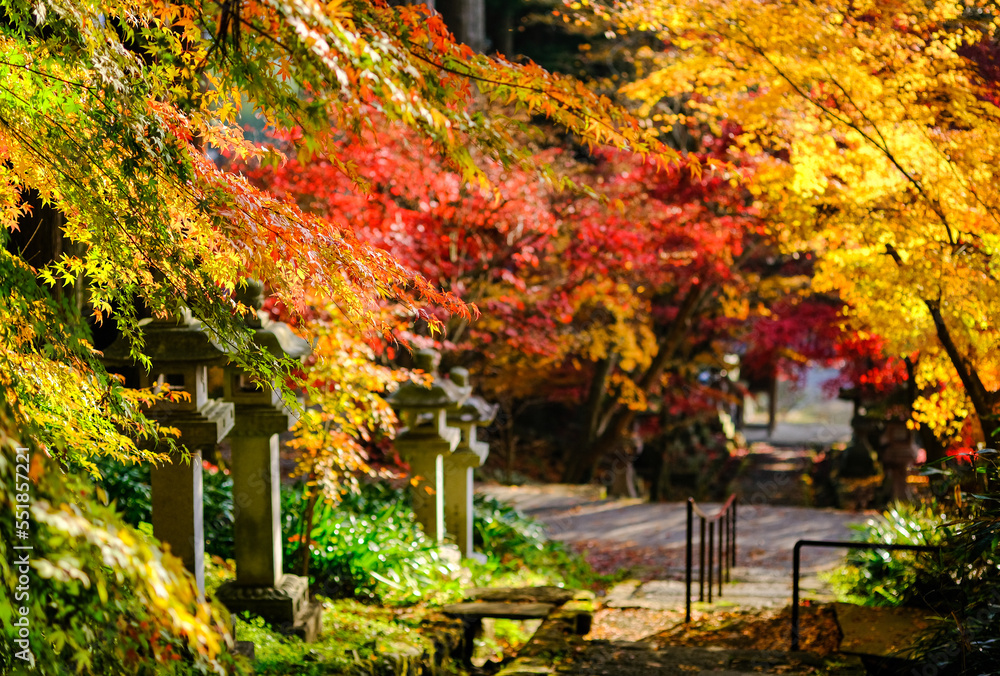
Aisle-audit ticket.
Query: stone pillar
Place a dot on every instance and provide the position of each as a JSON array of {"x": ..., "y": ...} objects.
[
  {"x": 180, "y": 353},
  {"x": 423, "y": 445},
  {"x": 458, "y": 487},
  {"x": 459, "y": 465},
  {"x": 257, "y": 506},
  {"x": 426, "y": 438},
  {"x": 261, "y": 587},
  {"x": 176, "y": 495}
]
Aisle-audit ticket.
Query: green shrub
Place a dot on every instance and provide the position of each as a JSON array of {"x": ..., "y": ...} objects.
[
  {"x": 367, "y": 547},
  {"x": 99, "y": 596},
  {"x": 357, "y": 639},
  {"x": 884, "y": 578},
  {"x": 518, "y": 551},
  {"x": 128, "y": 487},
  {"x": 963, "y": 639}
]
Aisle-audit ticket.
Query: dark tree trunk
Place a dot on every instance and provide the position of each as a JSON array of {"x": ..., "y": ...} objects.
[
  {"x": 983, "y": 401},
  {"x": 617, "y": 420},
  {"x": 502, "y": 31},
  {"x": 466, "y": 19}
]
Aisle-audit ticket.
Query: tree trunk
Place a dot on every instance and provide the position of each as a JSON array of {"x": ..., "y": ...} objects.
[
  {"x": 983, "y": 401},
  {"x": 617, "y": 420},
  {"x": 597, "y": 396},
  {"x": 466, "y": 19},
  {"x": 305, "y": 535}
]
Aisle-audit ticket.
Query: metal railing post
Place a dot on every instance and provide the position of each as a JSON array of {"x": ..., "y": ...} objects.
[
  {"x": 734, "y": 534},
  {"x": 688, "y": 562},
  {"x": 711, "y": 542},
  {"x": 796, "y": 559},
  {"x": 701, "y": 563},
  {"x": 722, "y": 556},
  {"x": 841, "y": 544},
  {"x": 724, "y": 548},
  {"x": 729, "y": 544}
]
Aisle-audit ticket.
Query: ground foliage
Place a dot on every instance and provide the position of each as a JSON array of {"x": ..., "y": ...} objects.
[
  {"x": 102, "y": 597},
  {"x": 359, "y": 639},
  {"x": 368, "y": 547},
  {"x": 896, "y": 578},
  {"x": 757, "y": 630}
]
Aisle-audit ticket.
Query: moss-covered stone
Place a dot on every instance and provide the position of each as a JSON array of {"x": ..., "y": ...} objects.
[{"x": 361, "y": 640}]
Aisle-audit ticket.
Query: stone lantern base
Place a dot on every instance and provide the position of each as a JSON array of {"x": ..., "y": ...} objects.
[{"x": 285, "y": 606}]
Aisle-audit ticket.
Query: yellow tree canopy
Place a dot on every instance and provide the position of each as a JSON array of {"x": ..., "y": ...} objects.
[{"x": 883, "y": 123}]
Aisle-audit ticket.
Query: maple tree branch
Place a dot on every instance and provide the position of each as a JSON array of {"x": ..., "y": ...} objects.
[
  {"x": 142, "y": 250},
  {"x": 49, "y": 75},
  {"x": 983, "y": 401},
  {"x": 846, "y": 121},
  {"x": 570, "y": 109}
]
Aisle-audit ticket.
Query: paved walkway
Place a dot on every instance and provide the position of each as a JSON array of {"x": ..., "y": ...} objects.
[
  {"x": 798, "y": 434},
  {"x": 650, "y": 538}
]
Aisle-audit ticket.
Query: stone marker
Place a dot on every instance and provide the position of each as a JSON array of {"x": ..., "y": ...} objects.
[
  {"x": 459, "y": 464},
  {"x": 426, "y": 439},
  {"x": 180, "y": 353},
  {"x": 260, "y": 586}
]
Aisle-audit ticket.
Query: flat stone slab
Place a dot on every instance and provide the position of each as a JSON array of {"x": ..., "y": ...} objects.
[
  {"x": 885, "y": 632},
  {"x": 554, "y": 595},
  {"x": 502, "y": 611},
  {"x": 748, "y": 588}
]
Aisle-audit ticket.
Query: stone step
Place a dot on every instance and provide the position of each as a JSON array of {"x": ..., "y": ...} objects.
[
  {"x": 748, "y": 588},
  {"x": 883, "y": 632},
  {"x": 498, "y": 610},
  {"x": 554, "y": 595}
]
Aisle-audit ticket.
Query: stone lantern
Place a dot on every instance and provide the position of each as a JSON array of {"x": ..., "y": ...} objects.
[
  {"x": 459, "y": 464},
  {"x": 180, "y": 352},
  {"x": 426, "y": 438},
  {"x": 261, "y": 415}
]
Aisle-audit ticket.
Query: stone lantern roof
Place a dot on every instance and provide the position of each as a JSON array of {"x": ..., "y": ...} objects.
[
  {"x": 442, "y": 393},
  {"x": 170, "y": 341},
  {"x": 274, "y": 336}
]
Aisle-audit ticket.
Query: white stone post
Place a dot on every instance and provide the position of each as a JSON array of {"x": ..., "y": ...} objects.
[{"x": 459, "y": 465}]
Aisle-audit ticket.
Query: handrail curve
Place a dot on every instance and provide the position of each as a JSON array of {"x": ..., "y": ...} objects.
[{"x": 726, "y": 518}]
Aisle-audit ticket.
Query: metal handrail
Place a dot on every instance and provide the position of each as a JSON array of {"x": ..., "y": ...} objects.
[
  {"x": 844, "y": 544},
  {"x": 726, "y": 516}
]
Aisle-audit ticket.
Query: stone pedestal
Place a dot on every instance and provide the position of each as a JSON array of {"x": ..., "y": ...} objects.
[
  {"x": 426, "y": 438},
  {"x": 458, "y": 487},
  {"x": 257, "y": 507},
  {"x": 177, "y": 513},
  {"x": 425, "y": 455},
  {"x": 285, "y": 605},
  {"x": 458, "y": 466},
  {"x": 180, "y": 353},
  {"x": 260, "y": 587}
]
